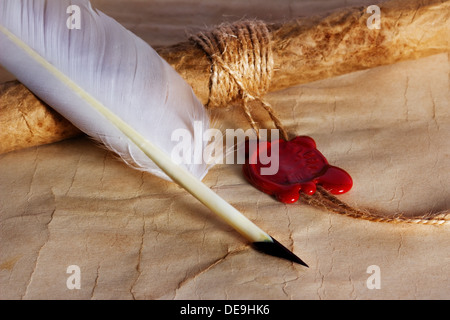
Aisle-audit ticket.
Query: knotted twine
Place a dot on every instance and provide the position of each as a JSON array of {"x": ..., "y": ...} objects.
[
  {"x": 241, "y": 67},
  {"x": 241, "y": 70}
]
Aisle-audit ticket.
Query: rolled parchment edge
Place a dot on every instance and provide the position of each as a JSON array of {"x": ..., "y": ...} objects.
[{"x": 304, "y": 50}]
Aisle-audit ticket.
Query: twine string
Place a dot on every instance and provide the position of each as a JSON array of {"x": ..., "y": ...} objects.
[
  {"x": 322, "y": 198},
  {"x": 241, "y": 67},
  {"x": 241, "y": 70}
]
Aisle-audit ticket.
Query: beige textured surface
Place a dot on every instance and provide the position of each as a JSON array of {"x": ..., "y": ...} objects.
[{"x": 136, "y": 236}]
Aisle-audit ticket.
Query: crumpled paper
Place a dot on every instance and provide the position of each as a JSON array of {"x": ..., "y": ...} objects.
[{"x": 134, "y": 236}]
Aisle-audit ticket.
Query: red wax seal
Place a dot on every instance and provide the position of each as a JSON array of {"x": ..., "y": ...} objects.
[{"x": 300, "y": 167}]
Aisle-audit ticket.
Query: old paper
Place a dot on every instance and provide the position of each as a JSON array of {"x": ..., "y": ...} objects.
[{"x": 135, "y": 236}]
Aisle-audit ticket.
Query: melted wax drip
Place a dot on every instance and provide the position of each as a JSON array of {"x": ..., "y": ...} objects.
[{"x": 301, "y": 168}]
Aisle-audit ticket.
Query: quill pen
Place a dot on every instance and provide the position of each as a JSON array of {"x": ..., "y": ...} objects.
[{"x": 115, "y": 88}]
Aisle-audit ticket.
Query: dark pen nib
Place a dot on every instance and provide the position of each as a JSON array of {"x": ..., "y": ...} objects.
[{"x": 278, "y": 250}]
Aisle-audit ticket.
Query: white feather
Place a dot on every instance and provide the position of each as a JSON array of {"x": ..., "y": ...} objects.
[{"x": 102, "y": 64}]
